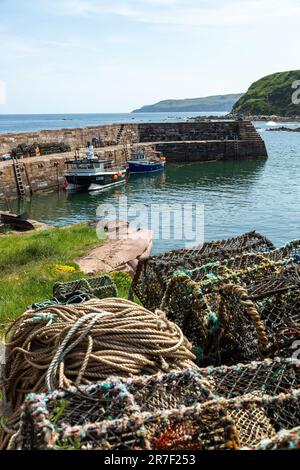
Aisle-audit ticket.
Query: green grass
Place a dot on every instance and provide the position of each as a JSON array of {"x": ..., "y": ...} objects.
[
  {"x": 28, "y": 266},
  {"x": 270, "y": 95}
]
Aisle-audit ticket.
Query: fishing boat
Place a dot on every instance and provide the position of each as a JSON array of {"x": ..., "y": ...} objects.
[
  {"x": 141, "y": 162},
  {"x": 92, "y": 173}
]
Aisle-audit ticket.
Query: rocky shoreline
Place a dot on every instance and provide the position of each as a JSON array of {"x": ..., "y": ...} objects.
[
  {"x": 234, "y": 117},
  {"x": 283, "y": 129}
]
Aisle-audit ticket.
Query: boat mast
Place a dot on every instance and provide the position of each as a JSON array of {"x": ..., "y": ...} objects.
[{"x": 90, "y": 154}]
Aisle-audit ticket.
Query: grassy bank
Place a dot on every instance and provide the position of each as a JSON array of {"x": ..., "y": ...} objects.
[{"x": 31, "y": 263}]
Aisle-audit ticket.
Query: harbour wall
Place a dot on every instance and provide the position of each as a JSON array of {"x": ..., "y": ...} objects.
[
  {"x": 38, "y": 174},
  {"x": 180, "y": 142},
  {"x": 111, "y": 135},
  {"x": 196, "y": 152},
  {"x": 46, "y": 173},
  {"x": 139, "y": 133}
]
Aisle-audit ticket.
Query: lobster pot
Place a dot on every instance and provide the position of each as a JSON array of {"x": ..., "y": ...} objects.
[
  {"x": 113, "y": 400},
  {"x": 271, "y": 376},
  {"x": 141, "y": 413},
  {"x": 169, "y": 391},
  {"x": 263, "y": 319},
  {"x": 99, "y": 286},
  {"x": 44, "y": 148},
  {"x": 289, "y": 251},
  {"x": 259, "y": 418},
  {"x": 284, "y": 440},
  {"x": 213, "y": 408},
  {"x": 239, "y": 389},
  {"x": 195, "y": 300},
  {"x": 152, "y": 274},
  {"x": 217, "y": 424},
  {"x": 43, "y": 414},
  {"x": 184, "y": 429}
]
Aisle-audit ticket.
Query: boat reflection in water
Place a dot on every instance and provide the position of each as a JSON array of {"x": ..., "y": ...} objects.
[{"x": 148, "y": 180}]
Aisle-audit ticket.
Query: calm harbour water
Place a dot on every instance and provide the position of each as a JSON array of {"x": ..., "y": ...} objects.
[{"x": 238, "y": 196}]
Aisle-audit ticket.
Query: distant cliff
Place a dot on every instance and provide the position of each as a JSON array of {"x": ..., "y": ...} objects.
[
  {"x": 271, "y": 95},
  {"x": 209, "y": 104}
]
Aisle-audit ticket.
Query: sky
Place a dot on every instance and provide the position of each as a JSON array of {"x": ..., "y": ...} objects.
[{"x": 109, "y": 56}]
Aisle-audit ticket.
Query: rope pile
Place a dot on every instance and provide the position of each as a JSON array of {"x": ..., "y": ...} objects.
[{"x": 57, "y": 346}]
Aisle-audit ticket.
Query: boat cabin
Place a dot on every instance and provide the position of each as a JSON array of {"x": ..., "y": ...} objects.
[
  {"x": 138, "y": 155},
  {"x": 143, "y": 155},
  {"x": 90, "y": 164}
]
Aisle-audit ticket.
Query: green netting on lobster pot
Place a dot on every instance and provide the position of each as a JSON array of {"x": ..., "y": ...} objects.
[
  {"x": 151, "y": 277},
  {"x": 99, "y": 286}
]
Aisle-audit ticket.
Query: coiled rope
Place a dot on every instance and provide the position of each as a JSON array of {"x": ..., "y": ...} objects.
[{"x": 57, "y": 346}]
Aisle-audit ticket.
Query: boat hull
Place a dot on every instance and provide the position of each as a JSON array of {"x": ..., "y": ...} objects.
[
  {"x": 141, "y": 167},
  {"x": 17, "y": 222},
  {"x": 93, "y": 183}
]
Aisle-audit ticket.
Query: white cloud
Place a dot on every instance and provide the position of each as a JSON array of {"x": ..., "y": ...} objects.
[
  {"x": 179, "y": 12},
  {"x": 92, "y": 7},
  {"x": 22, "y": 47},
  {"x": 16, "y": 45}
]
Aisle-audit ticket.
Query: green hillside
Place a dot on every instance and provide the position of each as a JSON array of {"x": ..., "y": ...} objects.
[
  {"x": 271, "y": 95},
  {"x": 209, "y": 104}
]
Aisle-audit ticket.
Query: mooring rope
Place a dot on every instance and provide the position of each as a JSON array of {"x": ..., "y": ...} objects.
[{"x": 57, "y": 346}]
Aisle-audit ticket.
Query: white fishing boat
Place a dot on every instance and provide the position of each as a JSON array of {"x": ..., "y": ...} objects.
[{"x": 93, "y": 174}]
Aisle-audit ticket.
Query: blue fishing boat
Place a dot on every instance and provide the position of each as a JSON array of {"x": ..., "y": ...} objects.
[{"x": 140, "y": 162}]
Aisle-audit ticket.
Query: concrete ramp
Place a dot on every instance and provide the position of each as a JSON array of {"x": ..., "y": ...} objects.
[{"x": 121, "y": 254}]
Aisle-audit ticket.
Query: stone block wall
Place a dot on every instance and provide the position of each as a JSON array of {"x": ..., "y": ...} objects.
[
  {"x": 74, "y": 137},
  {"x": 37, "y": 175},
  {"x": 188, "y": 131},
  {"x": 8, "y": 187},
  {"x": 179, "y": 152}
]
